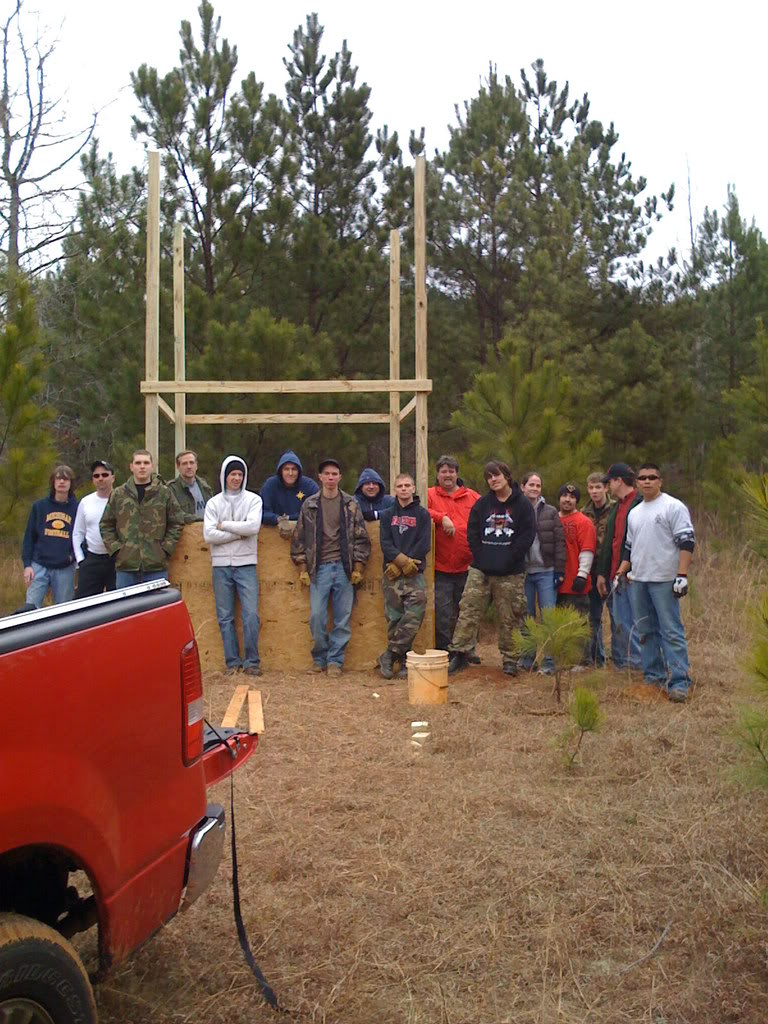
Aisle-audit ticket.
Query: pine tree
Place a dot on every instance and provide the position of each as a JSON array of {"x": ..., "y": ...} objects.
[
  {"x": 525, "y": 417},
  {"x": 26, "y": 452},
  {"x": 221, "y": 149}
]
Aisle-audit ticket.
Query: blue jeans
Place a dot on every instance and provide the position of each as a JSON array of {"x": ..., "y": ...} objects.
[
  {"x": 61, "y": 583},
  {"x": 330, "y": 583},
  {"x": 243, "y": 580},
  {"x": 129, "y": 578},
  {"x": 662, "y": 636},
  {"x": 596, "y": 648},
  {"x": 625, "y": 636},
  {"x": 541, "y": 586}
]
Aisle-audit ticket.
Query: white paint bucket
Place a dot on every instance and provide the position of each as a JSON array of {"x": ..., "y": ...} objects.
[{"x": 427, "y": 677}]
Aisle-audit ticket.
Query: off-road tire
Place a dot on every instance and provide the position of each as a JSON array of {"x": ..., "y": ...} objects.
[{"x": 41, "y": 973}]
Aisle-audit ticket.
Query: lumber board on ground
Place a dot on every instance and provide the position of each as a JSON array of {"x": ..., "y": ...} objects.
[
  {"x": 231, "y": 715},
  {"x": 255, "y": 712}
]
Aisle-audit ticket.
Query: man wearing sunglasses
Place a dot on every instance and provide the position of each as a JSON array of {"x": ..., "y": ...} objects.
[
  {"x": 658, "y": 549},
  {"x": 96, "y": 567}
]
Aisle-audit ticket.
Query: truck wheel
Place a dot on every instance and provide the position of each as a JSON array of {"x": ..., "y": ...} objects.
[{"x": 42, "y": 980}]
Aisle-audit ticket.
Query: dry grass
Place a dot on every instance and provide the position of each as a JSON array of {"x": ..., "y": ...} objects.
[{"x": 482, "y": 881}]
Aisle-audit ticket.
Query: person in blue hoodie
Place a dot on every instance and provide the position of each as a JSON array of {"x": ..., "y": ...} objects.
[
  {"x": 371, "y": 495},
  {"x": 283, "y": 494},
  {"x": 46, "y": 551}
]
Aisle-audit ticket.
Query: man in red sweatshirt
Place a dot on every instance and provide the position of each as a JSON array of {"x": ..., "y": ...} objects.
[{"x": 449, "y": 505}]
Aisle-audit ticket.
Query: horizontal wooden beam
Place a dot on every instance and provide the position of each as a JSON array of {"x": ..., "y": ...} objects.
[
  {"x": 290, "y": 417},
  {"x": 408, "y": 409},
  {"x": 166, "y": 410},
  {"x": 281, "y": 387}
]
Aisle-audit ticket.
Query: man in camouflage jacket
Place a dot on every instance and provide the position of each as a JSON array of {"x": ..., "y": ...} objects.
[{"x": 141, "y": 525}]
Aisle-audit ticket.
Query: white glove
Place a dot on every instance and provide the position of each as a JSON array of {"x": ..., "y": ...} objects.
[{"x": 680, "y": 586}]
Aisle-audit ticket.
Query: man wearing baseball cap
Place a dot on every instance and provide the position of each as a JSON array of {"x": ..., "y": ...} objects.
[
  {"x": 625, "y": 637},
  {"x": 330, "y": 547},
  {"x": 95, "y": 566}
]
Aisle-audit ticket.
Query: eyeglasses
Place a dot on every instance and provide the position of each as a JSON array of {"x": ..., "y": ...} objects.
[
  {"x": 98, "y": 476},
  {"x": 649, "y": 478}
]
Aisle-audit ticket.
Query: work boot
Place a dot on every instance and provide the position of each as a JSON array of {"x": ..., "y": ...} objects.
[
  {"x": 509, "y": 668},
  {"x": 386, "y": 662},
  {"x": 334, "y": 670},
  {"x": 473, "y": 659},
  {"x": 457, "y": 662},
  {"x": 317, "y": 668},
  {"x": 252, "y": 670}
]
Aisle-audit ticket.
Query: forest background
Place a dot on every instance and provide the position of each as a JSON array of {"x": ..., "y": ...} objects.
[{"x": 553, "y": 341}]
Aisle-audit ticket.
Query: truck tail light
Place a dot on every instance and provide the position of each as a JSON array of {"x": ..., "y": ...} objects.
[{"x": 192, "y": 704}]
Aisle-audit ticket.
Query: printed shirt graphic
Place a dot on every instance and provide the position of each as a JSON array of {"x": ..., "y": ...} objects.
[
  {"x": 499, "y": 528},
  {"x": 58, "y": 524},
  {"x": 404, "y": 523}
]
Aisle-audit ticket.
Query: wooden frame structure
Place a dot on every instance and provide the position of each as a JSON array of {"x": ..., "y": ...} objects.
[{"x": 420, "y": 386}]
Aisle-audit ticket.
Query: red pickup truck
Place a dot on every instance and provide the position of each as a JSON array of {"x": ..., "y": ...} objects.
[{"x": 104, "y": 763}]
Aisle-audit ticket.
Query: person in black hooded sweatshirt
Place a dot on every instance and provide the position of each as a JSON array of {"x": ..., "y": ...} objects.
[{"x": 501, "y": 529}]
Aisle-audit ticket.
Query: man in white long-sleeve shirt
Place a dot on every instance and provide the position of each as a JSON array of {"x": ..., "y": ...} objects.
[
  {"x": 658, "y": 549},
  {"x": 231, "y": 527},
  {"x": 96, "y": 567}
]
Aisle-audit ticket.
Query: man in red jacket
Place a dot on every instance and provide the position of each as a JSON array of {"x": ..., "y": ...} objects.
[{"x": 449, "y": 505}]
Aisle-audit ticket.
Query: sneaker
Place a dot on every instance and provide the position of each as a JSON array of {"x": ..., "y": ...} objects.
[
  {"x": 334, "y": 670},
  {"x": 234, "y": 669},
  {"x": 317, "y": 668},
  {"x": 545, "y": 670},
  {"x": 509, "y": 668},
  {"x": 386, "y": 663},
  {"x": 252, "y": 670},
  {"x": 678, "y": 695},
  {"x": 457, "y": 662}
]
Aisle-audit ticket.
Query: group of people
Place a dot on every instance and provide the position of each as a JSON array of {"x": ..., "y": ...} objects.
[{"x": 629, "y": 547}]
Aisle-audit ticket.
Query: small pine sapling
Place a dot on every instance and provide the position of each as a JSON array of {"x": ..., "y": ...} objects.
[
  {"x": 560, "y": 635},
  {"x": 584, "y": 710}
]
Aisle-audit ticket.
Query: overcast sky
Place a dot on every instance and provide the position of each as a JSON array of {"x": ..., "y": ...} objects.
[{"x": 683, "y": 82}]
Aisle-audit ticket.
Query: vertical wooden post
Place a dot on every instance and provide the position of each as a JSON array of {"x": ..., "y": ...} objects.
[
  {"x": 394, "y": 357},
  {"x": 420, "y": 259},
  {"x": 179, "y": 354},
  {"x": 152, "y": 334}
]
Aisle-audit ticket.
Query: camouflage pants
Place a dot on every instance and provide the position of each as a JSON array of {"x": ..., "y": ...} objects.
[
  {"x": 508, "y": 593},
  {"x": 405, "y": 601}
]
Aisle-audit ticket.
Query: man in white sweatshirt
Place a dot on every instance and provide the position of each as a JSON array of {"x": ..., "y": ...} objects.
[
  {"x": 231, "y": 527},
  {"x": 95, "y": 566}
]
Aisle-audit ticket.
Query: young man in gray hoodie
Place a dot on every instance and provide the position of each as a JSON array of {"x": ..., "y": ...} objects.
[{"x": 231, "y": 527}]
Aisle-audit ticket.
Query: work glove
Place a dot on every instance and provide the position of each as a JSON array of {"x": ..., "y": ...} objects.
[
  {"x": 558, "y": 579},
  {"x": 619, "y": 584},
  {"x": 680, "y": 586},
  {"x": 391, "y": 571},
  {"x": 412, "y": 567},
  {"x": 356, "y": 577},
  {"x": 285, "y": 527},
  {"x": 579, "y": 585},
  {"x": 304, "y": 579}
]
